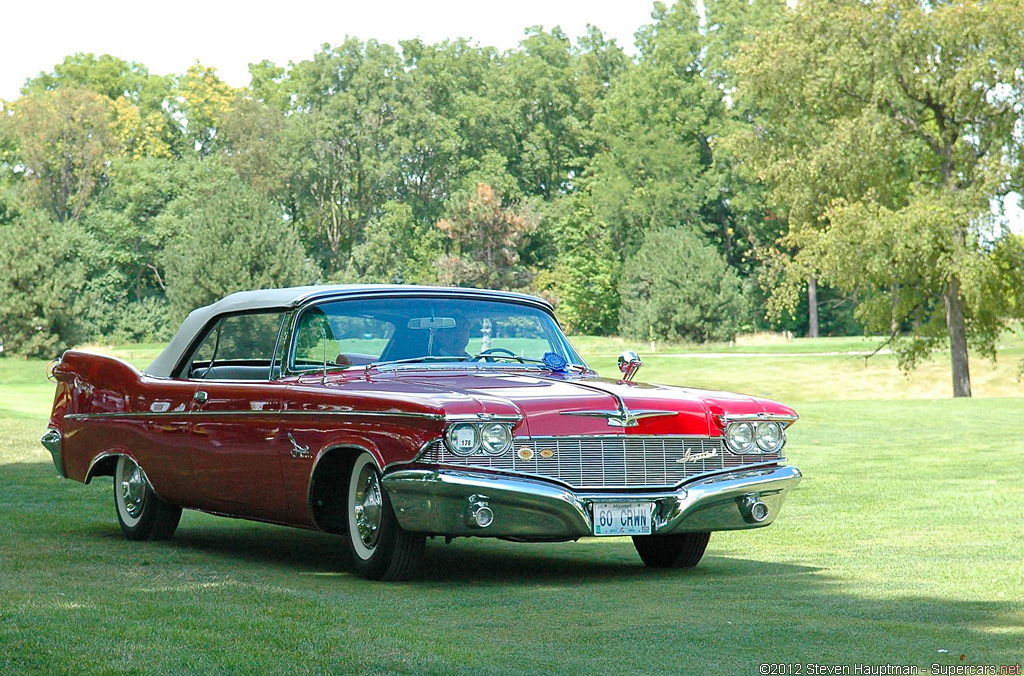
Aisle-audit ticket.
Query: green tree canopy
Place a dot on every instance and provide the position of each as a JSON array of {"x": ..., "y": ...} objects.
[
  {"x": 62, "y": 143},
  {"x": 232, "y": 240}
]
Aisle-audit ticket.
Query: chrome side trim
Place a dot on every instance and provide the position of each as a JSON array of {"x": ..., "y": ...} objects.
[
  {"x": 51, "y": 441},
  {"x": 270, "y": 413},
  {"x": 95, "y": 461}
]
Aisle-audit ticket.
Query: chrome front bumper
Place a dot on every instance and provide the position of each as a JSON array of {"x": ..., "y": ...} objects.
[{"x": 446, "y": 502}]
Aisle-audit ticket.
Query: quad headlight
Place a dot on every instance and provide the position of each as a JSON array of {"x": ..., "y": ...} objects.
[
  {"x": 479, "y": 438},
  {"x": 740, "y": 437},
  {"x": 763, "y": 437},
  {"x": 769, "y": 437},
  {"x": 495, "y": 438}
]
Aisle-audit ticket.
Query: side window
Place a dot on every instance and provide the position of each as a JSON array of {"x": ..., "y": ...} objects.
[{"x": 237, "y": 347}]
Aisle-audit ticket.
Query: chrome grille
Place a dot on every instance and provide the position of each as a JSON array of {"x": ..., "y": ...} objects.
[{"x": 627, "y": 461}]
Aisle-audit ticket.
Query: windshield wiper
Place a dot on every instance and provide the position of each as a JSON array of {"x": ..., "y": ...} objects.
[
  {"x": 446, "y": 358},
  {"x": 414, "y": 360},
  {"x": 528, "y": 360},
  {"x": 509, "y": 357}
]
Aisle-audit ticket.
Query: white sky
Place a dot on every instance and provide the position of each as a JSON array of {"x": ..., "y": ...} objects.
[{"x": 168, "y": 37}]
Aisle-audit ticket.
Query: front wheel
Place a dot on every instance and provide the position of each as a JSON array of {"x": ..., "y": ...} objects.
[
  {"x": 141, "y": 513},
  {"x": 381, "y": 549},
  {"x": 683, "y": 550}
]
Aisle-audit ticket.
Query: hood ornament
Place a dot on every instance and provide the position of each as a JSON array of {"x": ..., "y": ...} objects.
[
  {"x": 629, "y": 364},
  {"x": 622, "y": 417}
]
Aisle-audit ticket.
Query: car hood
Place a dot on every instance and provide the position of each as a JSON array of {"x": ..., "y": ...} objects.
[{"x": 559, "y": 404}]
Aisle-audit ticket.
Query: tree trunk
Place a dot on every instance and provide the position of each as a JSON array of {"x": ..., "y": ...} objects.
[
  {"x": 957, "y": 339},
  {"x": 812, "y": 307}
]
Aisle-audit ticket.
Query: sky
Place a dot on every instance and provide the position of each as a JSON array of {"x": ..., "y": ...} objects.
[{"x": 168, "y": 37}]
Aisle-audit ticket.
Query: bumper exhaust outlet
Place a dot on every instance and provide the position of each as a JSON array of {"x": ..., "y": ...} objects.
[
  {"x": 754, "y": 509},
  {"x": 478, "y": 514}
]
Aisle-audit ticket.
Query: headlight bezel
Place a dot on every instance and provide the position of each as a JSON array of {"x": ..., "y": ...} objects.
[
  {"x": 755, "y": 424},
  {"x": 479, "y": 446},
  {"x": 736, "y": 428},
  {"x": 773, "y": 447},
  {"x": 504, "y": 438},
  {"x": 456, "y": 444}
]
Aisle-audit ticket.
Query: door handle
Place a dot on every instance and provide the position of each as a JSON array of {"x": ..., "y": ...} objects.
[{"x": 201, "y": 397}]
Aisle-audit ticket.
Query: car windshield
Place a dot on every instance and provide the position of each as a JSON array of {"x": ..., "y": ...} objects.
[{"x": 395, "y": 331}]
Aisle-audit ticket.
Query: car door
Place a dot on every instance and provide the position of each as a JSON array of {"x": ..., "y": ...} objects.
[
  {"x": 235, "y": 424},
  {"x": 161, "y": 439}
]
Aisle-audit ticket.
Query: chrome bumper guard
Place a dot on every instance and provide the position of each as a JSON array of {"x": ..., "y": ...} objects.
[
  {"x": 51, "y": 441},
  {"x": 458, "y": 502}
]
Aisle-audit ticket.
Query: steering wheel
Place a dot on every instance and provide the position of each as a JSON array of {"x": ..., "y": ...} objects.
[{"x": 488, "y": 355}]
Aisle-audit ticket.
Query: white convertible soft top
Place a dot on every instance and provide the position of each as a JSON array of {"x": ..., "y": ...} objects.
[{"x": 271, "y": 299}]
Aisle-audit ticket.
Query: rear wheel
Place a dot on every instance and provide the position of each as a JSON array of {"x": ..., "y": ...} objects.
[
  {"x": 381, "y": 550},
  {"x": 683, "y": 550},
  {"x": 141, "y": 513}
]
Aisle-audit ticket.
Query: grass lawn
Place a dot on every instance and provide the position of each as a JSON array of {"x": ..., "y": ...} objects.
[{"x": 903, "y": 545}]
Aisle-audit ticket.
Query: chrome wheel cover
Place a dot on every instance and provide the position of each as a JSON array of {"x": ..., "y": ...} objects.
[
  {"x": 133, "y": 488},
  {"x": 367, "y": 506}
]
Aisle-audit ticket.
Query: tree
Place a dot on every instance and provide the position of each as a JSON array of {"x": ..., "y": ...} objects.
[
  {"x": 252, "y": 136},
  {"x": 488, "y": 239},
  {"x": 655, "y": 169},
  {"x": 677, "y": 286},
  {"x": 584, "y": 279},
  {"x": 63, "y": 145},
  {"x": 130, "y": 223},
  {"x": 340, "y": 141},
  {"x": 393, "y": 250},
  {"x": 106, "y": 75},
  {"x": 141, "y": 121},
  {"x": 234, "y": 240},
  {"x": 202, "y": 100},
  {"x": 911, "y": 107},
  {"x": 541, "y": 96}
]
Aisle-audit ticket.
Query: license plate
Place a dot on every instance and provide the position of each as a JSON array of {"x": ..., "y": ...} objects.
[{"x": 622, "y": 518}]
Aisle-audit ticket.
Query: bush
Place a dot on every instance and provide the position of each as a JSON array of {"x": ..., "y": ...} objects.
[
  {"x": 43, "y": 283},
  {"x": 147, "y": 321},
  {"x": 677, "y": 286}
]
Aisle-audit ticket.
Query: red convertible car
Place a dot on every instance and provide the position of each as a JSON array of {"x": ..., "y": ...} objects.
[{"x": 388, "y": 414}]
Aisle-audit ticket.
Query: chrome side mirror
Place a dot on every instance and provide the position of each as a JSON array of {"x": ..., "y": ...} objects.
[{"x": 629, "y": 364}]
